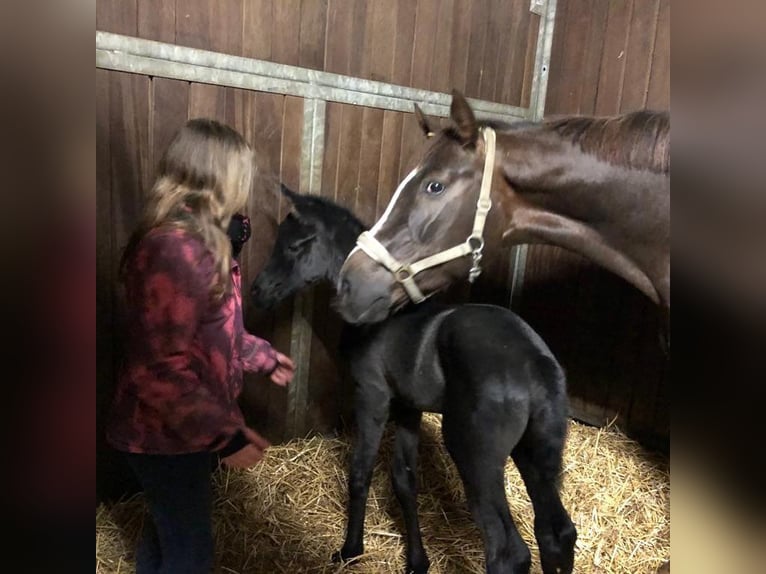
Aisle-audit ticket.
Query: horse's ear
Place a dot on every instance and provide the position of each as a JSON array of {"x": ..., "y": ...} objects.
[
  {"x": 462, "y": 116},
  {"x": 423, "y": 122}
]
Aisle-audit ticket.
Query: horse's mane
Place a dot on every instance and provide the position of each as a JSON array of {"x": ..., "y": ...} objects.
[{"x": 639, "y": 140}]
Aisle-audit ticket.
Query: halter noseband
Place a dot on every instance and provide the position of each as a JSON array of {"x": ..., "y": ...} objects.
[{"x": 404, "y": 273}]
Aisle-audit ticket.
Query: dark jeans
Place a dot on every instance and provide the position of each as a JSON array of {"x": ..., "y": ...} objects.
[{"x": 178, "y": 539}]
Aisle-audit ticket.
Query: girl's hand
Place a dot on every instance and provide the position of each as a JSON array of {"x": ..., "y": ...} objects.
[
  {"x": 284, "y": 371},
  {"x": 250, "y": 455},
  {"x": 244, "y": 457}
]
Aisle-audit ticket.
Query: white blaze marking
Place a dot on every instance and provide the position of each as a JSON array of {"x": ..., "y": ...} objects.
[
  {"x": 389, "y": 208},
  {"x": 391, "y": 203}
]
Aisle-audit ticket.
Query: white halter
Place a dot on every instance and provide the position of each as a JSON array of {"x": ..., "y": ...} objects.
[{"x": 405, "y": 272}]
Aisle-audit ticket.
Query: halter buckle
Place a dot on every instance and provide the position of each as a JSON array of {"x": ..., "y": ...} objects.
[
  {"x": 403, "y": 273},
  {"x": 476, "y": 243}
]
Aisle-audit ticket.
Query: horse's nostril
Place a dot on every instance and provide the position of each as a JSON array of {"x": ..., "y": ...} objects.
[{"x": 345, "y": 287}]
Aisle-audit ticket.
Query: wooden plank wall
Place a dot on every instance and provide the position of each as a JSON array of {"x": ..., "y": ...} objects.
[
  {"x": 483, "y": 47},
  {"x": 608, "y": 57}
]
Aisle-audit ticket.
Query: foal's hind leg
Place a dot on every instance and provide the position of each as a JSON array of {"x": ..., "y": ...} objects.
[
  {"x": 538, "y": 458},
  {"x": 404, "y": 481},
  {"x": 480, "y": 455}
]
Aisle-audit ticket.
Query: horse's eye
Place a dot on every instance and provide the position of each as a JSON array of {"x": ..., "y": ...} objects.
[{"x": 434, "y": 187}]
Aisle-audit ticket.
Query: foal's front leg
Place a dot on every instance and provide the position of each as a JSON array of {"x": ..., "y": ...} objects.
[
  {"x": 404, "y": 480},
  {"x": 371, "y": 416}
]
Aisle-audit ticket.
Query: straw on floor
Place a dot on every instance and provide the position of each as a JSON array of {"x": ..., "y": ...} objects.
[{"x": 288, "y": 513}]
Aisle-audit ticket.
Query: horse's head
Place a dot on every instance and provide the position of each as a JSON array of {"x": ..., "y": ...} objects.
[
  {"x": 307, "y": 249},
  {"x": 432, "y": 210}
]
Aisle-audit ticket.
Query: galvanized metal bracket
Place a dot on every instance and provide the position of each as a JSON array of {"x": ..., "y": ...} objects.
[
  {"x": 312, "y": 145},
  {"x": 301, "y": 333},
  {"x": 537, "y": 7},
  {"x": 140, "y": 56}
]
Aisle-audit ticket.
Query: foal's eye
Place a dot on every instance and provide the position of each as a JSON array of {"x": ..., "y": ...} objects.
[
  {"x": 434, "y": 187},
  {"x": 298, "y": 246}
]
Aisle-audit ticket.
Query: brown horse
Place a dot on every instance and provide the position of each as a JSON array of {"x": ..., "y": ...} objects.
[{"x": 596, "y": 186}]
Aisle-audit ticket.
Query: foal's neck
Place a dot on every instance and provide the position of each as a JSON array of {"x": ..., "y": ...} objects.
[{"x": 337, "y": 258}]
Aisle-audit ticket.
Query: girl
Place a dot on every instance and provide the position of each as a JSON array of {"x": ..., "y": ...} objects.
[{"x": 175, "y": 404}]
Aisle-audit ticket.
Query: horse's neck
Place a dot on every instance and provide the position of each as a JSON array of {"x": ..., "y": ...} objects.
[
  {"x": 539, "y": 163},
  {"x": 563, "y": 196},
  {"x": 549, "y": 173}
]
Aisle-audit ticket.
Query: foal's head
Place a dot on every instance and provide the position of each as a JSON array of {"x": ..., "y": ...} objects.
[
  {"x": 432, "y": 209},
  {"x": 312, "y": 242}
]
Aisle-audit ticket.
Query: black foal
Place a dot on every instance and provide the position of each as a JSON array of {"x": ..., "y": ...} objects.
[{"x": 498, "y": 386}]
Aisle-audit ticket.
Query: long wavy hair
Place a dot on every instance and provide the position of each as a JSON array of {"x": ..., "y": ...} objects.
[{"x": 204, "y": 178}]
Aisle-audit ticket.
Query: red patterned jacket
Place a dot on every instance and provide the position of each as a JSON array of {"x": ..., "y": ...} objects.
[{"x": 178, "y": 388}]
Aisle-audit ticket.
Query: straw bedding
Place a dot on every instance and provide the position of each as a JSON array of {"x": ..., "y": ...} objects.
[{"x": 288, "y": 513}]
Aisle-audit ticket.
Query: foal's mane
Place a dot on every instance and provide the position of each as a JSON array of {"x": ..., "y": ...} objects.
[
  {"x": 335, "y": 217},
  {"x": 639, "y": 140}
]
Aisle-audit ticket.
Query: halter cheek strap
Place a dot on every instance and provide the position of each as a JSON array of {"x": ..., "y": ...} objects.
[{"x": 404, "y": 273}]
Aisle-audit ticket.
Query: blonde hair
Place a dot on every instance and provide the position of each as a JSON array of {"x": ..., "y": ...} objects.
[{"x": 204, "y": 178}]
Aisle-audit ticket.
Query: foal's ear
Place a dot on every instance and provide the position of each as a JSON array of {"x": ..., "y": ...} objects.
[
  {"x": 295, "y": 198},
  {"x": 423, "y": 122},
  {"x": 288, "y": 193},
  {"x": 462, "y": 116}
]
